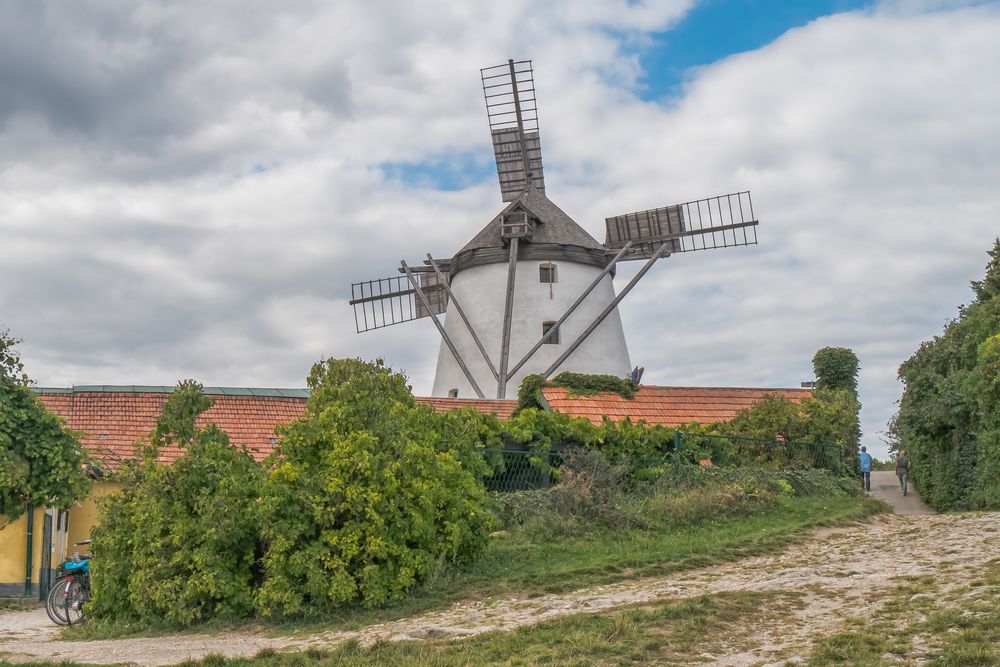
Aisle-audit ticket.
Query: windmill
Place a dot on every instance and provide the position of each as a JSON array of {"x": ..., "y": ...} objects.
[{"x": 532, "y": 292}]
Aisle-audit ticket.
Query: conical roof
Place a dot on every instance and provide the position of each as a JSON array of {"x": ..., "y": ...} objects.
[{"x": 554, "y": 226}]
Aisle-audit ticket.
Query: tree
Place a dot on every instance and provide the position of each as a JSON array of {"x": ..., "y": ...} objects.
[
  {"x": 836, "y": 368},
  {"x": 41, "y": 463}
]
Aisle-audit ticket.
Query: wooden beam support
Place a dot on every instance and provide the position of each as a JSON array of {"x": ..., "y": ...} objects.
[
  {"x": 440, "y": 328},
  {"x": 569, "y": 311},
  {"x": 507, "y": 312},
  {"x": 604, "y": 313},
  {"x": 461, "y": 313}
]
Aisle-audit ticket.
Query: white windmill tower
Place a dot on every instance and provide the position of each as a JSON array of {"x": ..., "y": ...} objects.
[{"x": 532, "y": 292}]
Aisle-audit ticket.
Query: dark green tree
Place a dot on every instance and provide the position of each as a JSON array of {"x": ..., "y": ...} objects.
[
  {"x": 836, "y": 368},
  {"x": 41, "y": 463}
]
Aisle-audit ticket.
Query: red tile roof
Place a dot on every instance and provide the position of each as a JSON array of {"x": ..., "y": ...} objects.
[
  {"x": 501, "y": 407},
  {"x": 112, "y": 419},
  {"x": 666, "y": 406}
]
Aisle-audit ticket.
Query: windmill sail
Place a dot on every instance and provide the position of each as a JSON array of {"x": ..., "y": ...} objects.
[
  {"x": 704, "y": 224},
  {"x": 387, "y": 301},
  {"x": 511, "y": 107}
]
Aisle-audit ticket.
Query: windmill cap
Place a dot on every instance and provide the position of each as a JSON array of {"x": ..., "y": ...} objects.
[{"x": 556, "y": 237}]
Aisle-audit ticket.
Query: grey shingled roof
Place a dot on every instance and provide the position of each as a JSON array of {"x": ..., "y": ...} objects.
[{"x": 555, "y": 226}]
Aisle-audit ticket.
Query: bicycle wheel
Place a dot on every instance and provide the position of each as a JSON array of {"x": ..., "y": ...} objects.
[
  {"x": 76, "y": 596},
  {"x": 55, "y": 603}
]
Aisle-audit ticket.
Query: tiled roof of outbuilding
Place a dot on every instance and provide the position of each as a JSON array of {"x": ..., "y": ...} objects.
[
  {"x": 503, "y": 408},
  {"x": 666, "y": 406},
  {"x": 114, "y": 418}
]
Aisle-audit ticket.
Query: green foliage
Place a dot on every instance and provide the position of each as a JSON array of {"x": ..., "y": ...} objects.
[
  {"x": 41, "y": 463},
  {"x": 178, "y": 544},
  {"x": 369, "y": 493},
  {"x": 582, "y": 384},
  {"x": 836, "y": 368},
  {"x": 596, "y": 493},
  {"x": 829, "y": 416},
  {"x": 529, "y": 393},
  {"x": 579, "y": 384},
  {"x": 949, "y": 414}
]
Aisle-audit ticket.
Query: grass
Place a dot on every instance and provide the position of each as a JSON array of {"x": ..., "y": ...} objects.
[
  {"x": 958, "y": 629},
  {"x": 517, "y": 566},
  {"x": 682, "y": 632}
]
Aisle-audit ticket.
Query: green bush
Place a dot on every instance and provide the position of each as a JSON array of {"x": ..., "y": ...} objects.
[
  {"x": 949, "y": 414},
  {"x": 178, "y": 544},
  {"x": 369, "y": 494}
]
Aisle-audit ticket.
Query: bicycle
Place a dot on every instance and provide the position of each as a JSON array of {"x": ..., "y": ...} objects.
[{"x": 66, "y": 599}]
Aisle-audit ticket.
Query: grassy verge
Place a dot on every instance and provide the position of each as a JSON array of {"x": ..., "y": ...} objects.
[
  {"x": 516, "y": 565},
  {"x": 919, "y": 623},
  {"x": 682, "y": 632}
]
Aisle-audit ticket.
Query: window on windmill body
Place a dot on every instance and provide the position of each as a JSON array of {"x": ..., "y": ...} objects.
[
  {"x": 554, "y": 338},
  {"x": 547, "y": 273},
  {"x": 453, "y": 392}
]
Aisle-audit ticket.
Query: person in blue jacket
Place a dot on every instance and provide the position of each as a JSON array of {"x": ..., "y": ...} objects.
[{"x": 865, "y": 464}]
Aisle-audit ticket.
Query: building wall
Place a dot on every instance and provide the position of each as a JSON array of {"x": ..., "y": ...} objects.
[
  {"x": 482, "y": 290},
  {"x": 13, "y": 542}
]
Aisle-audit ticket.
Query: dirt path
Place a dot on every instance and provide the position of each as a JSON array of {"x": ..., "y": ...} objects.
[
  {"x": 844, "y": 571},
  {"x": 885, "y": 486}
]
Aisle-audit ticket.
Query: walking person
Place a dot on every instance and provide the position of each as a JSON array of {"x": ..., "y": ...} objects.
[
  {"x": 902, "y": 469},
  {"x": 865, "y": 465}
]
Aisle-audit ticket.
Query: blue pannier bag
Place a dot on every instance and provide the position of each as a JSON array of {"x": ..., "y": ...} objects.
[{"x": 83, "y": 565}]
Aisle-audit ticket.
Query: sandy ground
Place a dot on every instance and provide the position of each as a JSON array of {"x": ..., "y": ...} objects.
[{"x": 844, "y": 571}]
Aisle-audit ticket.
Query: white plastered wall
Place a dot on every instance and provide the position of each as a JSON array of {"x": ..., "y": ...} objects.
[{"x": 481, "y": 290}]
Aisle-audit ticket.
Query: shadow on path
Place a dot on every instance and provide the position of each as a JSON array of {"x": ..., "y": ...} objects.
[{"x": 885, "y": 486}]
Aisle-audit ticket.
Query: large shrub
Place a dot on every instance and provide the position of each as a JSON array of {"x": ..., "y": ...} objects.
[
  {"x": 949, "y": 414},
  {"x": 369, "y": 494},
  {"x": 178, "y": 544}
]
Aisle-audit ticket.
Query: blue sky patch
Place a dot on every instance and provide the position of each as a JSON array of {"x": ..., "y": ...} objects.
[
  {"x": 446, "y": 172},
  {"x": 715, "y": 29}
]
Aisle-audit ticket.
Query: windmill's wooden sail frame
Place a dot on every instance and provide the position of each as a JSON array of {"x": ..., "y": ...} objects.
[
  {"x": 724, "y": 221},
  {"x": 425, "y": 291}
]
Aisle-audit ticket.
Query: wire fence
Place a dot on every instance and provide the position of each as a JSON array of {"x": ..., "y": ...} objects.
[{"x": 519, "y": 470}]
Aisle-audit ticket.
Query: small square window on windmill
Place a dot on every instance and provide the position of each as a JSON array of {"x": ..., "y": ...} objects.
[{"x": 481, "y": 290}]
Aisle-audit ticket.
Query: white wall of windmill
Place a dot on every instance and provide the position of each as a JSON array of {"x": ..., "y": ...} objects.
[{"x": 481, "y": 290}]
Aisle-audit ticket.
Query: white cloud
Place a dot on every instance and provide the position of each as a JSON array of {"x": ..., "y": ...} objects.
[{"x": 188, "y": 190}]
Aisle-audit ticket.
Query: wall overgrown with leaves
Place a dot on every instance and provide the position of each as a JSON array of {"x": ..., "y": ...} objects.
[{"x": 949, "y": 414}]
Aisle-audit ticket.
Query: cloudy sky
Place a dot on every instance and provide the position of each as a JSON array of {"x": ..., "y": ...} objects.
[{"x": 188, "y": 189}]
